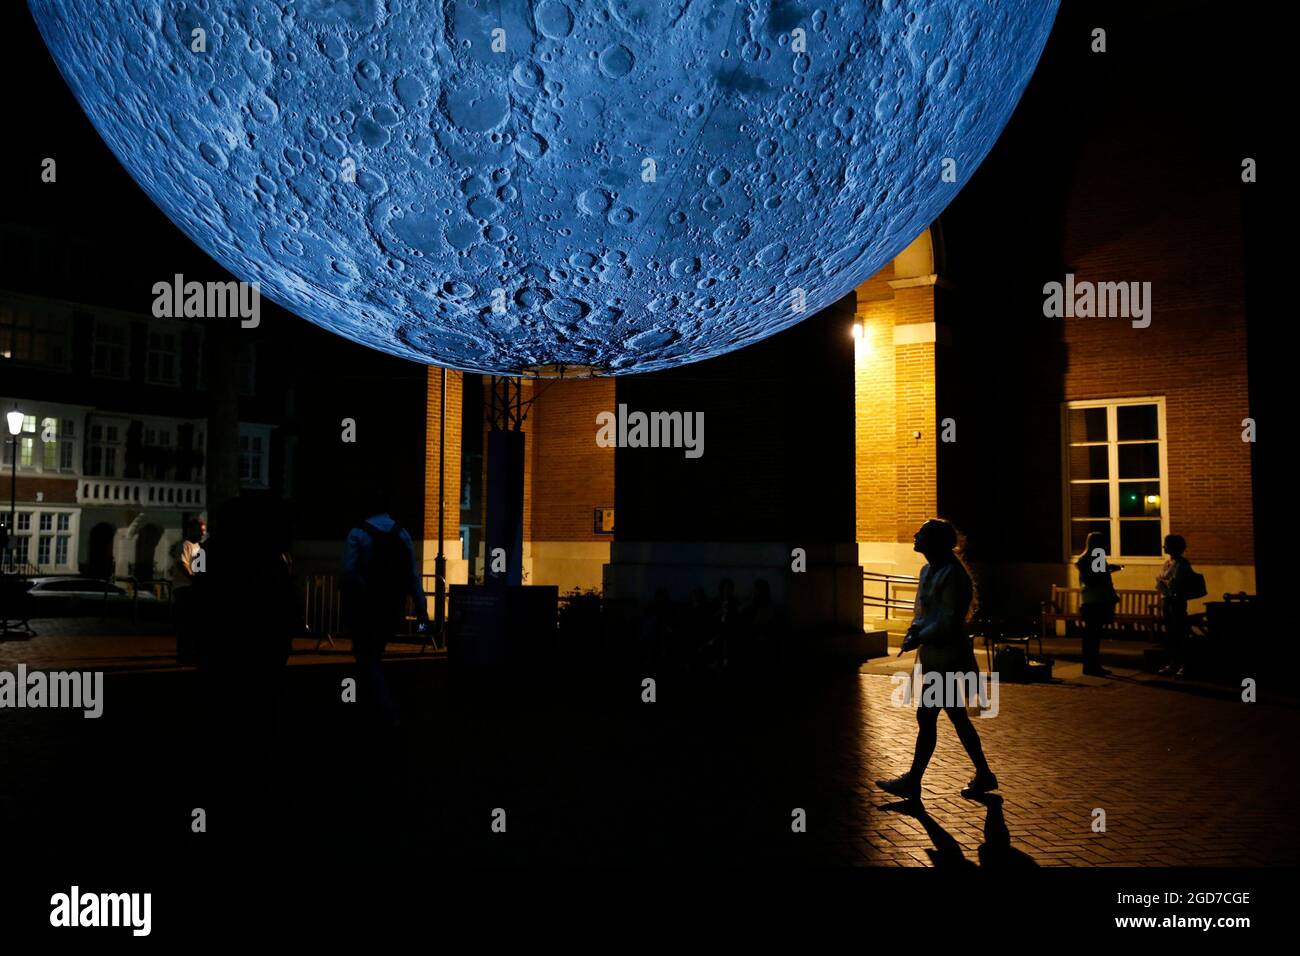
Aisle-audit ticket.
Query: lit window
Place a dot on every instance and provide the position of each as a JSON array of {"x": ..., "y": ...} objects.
[
  {"x": 34, "y": 338},
  {"x": 67, "y": 445},
  {"x": 1116, "y": 476},
  {"x": 49, "y": 444}
]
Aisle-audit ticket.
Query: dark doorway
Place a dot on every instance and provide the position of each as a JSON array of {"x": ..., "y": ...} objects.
[
  {"x": 146, "y": 544},
  {"x": 99, "y": 561}
]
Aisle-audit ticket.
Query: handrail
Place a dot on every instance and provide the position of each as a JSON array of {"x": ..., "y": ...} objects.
[{"x": 888, "y": 600}]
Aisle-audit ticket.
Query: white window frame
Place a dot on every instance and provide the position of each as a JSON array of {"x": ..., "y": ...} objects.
[
  {"x": 251, "y": 431},
  {"x": 176, "y": 332},
  {"x": 1112, "y": 473},
  {"x": 117, "y": 324},
  {"x": 33, "y": 530},
  {"x": 66, "y": 442},
  {"x": 118, "y": 446}
]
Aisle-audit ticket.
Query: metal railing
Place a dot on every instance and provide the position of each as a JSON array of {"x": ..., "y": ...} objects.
[
  {"x": 888, "y": 599},
  {"x": 322, "y": 602}
]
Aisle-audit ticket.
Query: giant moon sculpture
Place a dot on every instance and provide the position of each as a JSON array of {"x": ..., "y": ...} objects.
[{"x": 509, "y": 186}]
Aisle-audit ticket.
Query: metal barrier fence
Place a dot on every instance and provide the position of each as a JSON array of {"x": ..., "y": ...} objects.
[
  {"x": 321, "y": 607},
  {"x": 322, "y": 601}
]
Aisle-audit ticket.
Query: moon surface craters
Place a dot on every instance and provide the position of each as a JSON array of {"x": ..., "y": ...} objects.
[{"x": 623, "y": 184}]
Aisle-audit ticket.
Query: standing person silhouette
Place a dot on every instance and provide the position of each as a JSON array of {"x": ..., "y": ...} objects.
[
  {"x": 247, "y": 616},
  {"x": 196, "y": 530},
  {"x": 1097, "y": 602},
  {"x": 1174, "y": 585},
  {"x": 380, "y": 572},
  {"x": 943, "y": 601}
]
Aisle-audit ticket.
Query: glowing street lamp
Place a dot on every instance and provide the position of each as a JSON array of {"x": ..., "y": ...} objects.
[{"x": 15, "y": 422}]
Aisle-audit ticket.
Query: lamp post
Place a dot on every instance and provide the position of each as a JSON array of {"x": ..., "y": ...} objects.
[{"x": 15, "y": 421}]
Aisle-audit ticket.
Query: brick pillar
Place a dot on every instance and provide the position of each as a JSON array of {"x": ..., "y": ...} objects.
[
  {"x": 915, "y": 436},
  {"x": 456, "y": 565},
  {"x": 896, "y": 422}
]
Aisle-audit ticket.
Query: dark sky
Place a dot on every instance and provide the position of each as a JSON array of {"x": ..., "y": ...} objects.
[{"x": 1180, "y": 76}]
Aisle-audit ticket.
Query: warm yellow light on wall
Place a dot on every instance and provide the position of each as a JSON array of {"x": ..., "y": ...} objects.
[{"x": 861, "y": 340}]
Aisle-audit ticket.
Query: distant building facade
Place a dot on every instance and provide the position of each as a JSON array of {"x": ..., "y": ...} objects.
[{"x": 113, "y": 450}]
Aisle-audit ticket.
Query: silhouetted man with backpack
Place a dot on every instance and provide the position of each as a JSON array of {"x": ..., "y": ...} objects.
[{"x": 379, "y": 573}]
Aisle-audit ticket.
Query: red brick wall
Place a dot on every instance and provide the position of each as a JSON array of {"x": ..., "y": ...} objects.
[
  {"x": 894, "y": 393},
  {"x": 451, "y": 495},
  {"x": 58, "y": 491},
  {"x": 1188, "y": 245},
  {"x": 571, "y": 474}
]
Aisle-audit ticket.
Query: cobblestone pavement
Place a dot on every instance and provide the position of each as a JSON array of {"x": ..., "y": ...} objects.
[
  {"x": 1183, "y": 779},
  {"x": 712, "y": 772}
]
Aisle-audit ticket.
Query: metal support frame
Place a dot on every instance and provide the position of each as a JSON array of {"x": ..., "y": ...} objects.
[{"x": 506, "y": 405}]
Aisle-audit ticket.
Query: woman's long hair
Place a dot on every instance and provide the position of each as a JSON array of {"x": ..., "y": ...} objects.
[
  {"x": 953, "y": 539},
  {"x": 1090, "y": 544}
]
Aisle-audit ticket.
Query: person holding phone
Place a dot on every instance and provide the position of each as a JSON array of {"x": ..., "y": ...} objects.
[{"x": 1098, "y": 600}]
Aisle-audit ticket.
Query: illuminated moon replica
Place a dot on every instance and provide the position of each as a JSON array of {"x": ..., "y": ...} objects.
[{"x": 508, "y": 186}]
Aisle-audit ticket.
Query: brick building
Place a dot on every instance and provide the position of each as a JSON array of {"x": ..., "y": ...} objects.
[
  {"x": 1122, "y": 167},
  {"x": 826, "y": 440},
  {"x": 1028, "y": 434}
]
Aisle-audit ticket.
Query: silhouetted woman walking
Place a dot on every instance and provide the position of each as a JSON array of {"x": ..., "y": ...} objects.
[{"x": 943, "y": 602}]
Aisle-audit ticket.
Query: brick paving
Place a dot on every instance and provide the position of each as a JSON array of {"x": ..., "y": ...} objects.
[
  {"x": 1183, "y": 779},
  {"x": 711, "y": 772}
]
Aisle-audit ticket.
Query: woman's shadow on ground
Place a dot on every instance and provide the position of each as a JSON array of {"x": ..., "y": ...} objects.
[{"x": 996, "y": 852}]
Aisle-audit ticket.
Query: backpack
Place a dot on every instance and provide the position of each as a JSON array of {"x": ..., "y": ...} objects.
[
  {"x": 386, "y": 576},
  {"x": 1193, "y": 587}
]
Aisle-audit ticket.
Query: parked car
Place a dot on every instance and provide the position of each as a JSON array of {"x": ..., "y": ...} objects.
[{"x": 60, "y": 596}]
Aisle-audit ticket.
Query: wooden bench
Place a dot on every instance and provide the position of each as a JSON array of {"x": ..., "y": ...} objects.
[{"x": 1139, "y": 609}]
